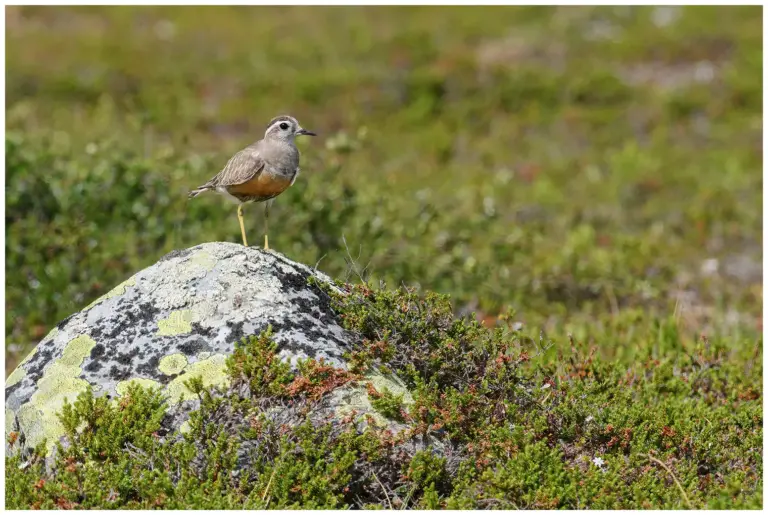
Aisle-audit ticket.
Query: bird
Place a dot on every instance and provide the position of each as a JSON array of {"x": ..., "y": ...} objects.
[{"x": 261, "y": 171}]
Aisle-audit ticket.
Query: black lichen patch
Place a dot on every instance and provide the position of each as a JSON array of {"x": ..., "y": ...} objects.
[
  {"x": 297, "y": 283},
  {"x": 165, "y": 379},
  {"x": 116, "y": 331},
  {"x": 61, "y": 324},
  {"x": 192, "y": 347},
  {"x": 324, "y": 315},
  {"x": 129, "y": 321},
  {"x": 119, "y": 374},
  {"x": 149, "y": 368},
  {"x": 37, "y": 364},
  {"x": 235, "y": 331},
  {"x": 127, "y": 357},
  {"x": 308, "y": 329},
  {"x": 147, "y": 312},
  {"x": 291, "y": 281},
  {"x": 10, "y": 389},
  {"x": 93, "y": 366},
  {"x": 97, "y": 352},
  {"x": 203, "y": 331}
]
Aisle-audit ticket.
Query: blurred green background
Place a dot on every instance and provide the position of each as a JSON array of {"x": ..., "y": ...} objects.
[{"x": 593, "y": 169}]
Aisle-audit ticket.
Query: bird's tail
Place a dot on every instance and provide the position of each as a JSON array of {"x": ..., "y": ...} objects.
[{"x": 197, "y": 191}]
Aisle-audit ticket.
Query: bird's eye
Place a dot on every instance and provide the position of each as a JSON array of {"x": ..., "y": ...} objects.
[{"x": 284, "y": 126}]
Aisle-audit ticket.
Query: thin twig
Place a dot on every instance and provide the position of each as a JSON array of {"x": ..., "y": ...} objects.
[
  {"x": 352, "y": 262},
  {"x": 682, "y": 491},
  {"x": 269, "y": 483},
  {"x": 318, "y": 261},
  {"x": 384, "y": 488}
]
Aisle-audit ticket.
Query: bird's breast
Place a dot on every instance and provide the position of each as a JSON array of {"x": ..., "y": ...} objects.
[{"x": 262, "y": 187}]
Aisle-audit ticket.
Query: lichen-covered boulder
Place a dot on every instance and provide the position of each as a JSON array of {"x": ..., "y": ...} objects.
[{"x": 177, "y": 319}]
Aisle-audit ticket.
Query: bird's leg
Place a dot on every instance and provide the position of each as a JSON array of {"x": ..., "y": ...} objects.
[
  {"x": 242, "y": 225},
  {"x": 266, "y": 225}
]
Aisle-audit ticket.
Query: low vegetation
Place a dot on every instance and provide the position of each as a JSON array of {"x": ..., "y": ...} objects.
[{"x": 511, "y": 430}]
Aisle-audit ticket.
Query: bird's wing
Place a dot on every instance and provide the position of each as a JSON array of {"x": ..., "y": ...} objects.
[{"x": 241, "y": 168}]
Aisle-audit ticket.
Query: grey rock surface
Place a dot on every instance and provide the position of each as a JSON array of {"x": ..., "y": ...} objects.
[{"x": 176, "y": 319}]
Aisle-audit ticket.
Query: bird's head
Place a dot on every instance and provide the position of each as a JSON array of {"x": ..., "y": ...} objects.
[{"x": 285, "y": 128}]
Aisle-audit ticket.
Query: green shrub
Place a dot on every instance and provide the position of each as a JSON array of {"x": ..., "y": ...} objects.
[{"x": 502, "y": 428}]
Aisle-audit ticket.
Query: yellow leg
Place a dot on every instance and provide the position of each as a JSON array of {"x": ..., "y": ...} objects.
[
  {"x": 266, "y": 225},
  {"x": 242, "y": 225}
]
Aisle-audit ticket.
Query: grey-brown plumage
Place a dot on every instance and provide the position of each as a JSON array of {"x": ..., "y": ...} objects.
[{"x": 262, "y": 170}]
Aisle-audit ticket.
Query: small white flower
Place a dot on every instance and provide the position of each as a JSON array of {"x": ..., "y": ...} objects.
[
  {"x": 590, "y": 419},
  {"x": 710, "y": 266},
  {"x": 598, "y": 461}
]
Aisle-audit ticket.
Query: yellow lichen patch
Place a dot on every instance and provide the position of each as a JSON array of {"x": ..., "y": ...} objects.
[
  {"x": 355, "y": 398},
  {"x": 172, "y": 364},
  {"x": 38, "y": 417},
  {"x": 114, "y": 292},
  {"x": 185, "y": 427},
  {"x": 178, "y": 322},
  {"x": 122, "y": 387},
  {"x": 76, "y": 351},
  {"x": 203, "y": 259},
  {"x": 203, "y": 355},
  {"x": 37, "y": 426},
  {"x": 390, "y": 382},
  {"x": 52, "y": 390},
  {"x": 16, "y": 376},
  {"x": 213, "y": 372}
]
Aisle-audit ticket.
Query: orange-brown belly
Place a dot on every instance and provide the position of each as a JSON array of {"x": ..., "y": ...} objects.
[{"x": 263, "y": 186}]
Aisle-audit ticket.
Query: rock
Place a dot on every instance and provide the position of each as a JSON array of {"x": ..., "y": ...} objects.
[{"x": 176, "y": 319}]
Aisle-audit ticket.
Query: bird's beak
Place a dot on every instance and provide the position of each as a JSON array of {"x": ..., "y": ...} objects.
[{"x": 305, "y": 132}]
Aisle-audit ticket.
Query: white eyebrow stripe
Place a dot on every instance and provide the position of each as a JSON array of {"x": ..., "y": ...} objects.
[{"x": 278, "y": 122}]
